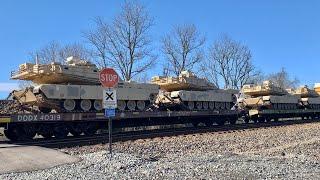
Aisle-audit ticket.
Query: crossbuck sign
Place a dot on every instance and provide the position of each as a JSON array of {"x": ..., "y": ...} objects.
[{"x": 109, "y": 98}]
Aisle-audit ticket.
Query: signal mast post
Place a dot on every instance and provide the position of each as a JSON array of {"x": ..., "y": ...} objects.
[{"x": 109, "y": 79}]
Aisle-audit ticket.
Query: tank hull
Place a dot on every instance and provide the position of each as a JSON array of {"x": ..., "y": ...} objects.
[
  {"x": 198, "y": 100},
  {"x": 271, "y": 102}
]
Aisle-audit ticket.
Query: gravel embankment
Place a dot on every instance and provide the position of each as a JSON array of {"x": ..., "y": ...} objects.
[{"x": 290, "y": 152}]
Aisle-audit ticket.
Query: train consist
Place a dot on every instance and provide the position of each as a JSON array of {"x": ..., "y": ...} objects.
[{"x": 67, "y": 98}]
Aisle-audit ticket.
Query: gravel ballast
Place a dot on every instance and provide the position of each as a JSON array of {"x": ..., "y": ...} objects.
[{"x": 289, "y": 152}]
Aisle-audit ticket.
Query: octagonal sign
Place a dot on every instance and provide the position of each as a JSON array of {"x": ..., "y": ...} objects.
[{"x": 108, "y": 78}]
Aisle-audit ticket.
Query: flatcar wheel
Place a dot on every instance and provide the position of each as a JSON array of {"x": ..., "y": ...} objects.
[
  {"x": 199, "y": 105},
  {"x": 246, "y": 120},
  {"x": 208, "y": 123},
  {"x": 90, "y": 129},
  {"x": 141, "y": 105},
  {"x": 60, "y": 131},
  {"x": 211, "y": 105},
  {"x": 205, "y": 105},
  {"x": 220, "y": 122},
  {"x": 131, "y": 105},
  {"x": 233, "y": 121},
  {"x": 121, "y": 105},
  {"x": 97, "y": 104},
  {"x": 190, "y": 105},
  {"x": 12, "y": 133},
  {"x": 195, "y": 124},
  {"x": 29, "y": 132},
  {"x": 69, "y": 104},
  {"x": 75, "y": 129},
  {"x": 85, "y": 104},
  {"x": 261, "y": 120},
  {"x": 45, "y": 131}
]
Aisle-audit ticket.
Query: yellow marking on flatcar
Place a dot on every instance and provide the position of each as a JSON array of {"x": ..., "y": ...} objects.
[{"x": 5, "y": 120}]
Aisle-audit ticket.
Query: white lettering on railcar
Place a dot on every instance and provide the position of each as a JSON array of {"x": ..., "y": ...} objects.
[{"x": 42, "y": 117}]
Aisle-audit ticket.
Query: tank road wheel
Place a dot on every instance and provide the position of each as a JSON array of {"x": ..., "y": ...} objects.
[
  {"x": 211, "y": 105},
  {"x": 190, "y": 105},
  {"x": 217, "y": 105},
  {"x": 141, "y": 105},
  {"x": 121, "y": 105},
  {"x": 97, "y": 104},
  {"x": 69, "y": 104},
  {"x": 205, "y": 105},
  {"x": 228, "y": 106},
  {"x": 199, "y": 105},
  {"x": 45, "y": 131},
  {"x": 90, "y": 128},
  {"x": 131, "y": 105},
  {"x": 85, "y": 104},
  {"x": 60, "y": 131}
]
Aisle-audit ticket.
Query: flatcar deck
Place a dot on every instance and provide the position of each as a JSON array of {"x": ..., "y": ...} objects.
[{"x": 58, "y": 117}]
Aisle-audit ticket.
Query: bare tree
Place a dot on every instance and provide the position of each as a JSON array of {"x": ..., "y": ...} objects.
[
  {"x": 125, "y": 43},
  {"x": 230, "y": 61},
  {"x": 47, "y": 54},
  {"x": 283, "y": 80},
  {"x": 183, "y": 48},
  {"x": 99, "y": 39},
  {"x": 55, "y": 52},
  {"x": 76, "y": 50}
]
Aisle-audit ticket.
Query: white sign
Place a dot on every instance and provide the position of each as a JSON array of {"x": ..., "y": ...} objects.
[{"x": 109, "y": 98}]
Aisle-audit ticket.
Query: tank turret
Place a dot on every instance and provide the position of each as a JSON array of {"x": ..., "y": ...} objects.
[
  {"x": 75, "y": 71},
  {"x": 185, "y": 81},
  {"x": 267, "y": 88},
  {"x": 187, "y": 91}
]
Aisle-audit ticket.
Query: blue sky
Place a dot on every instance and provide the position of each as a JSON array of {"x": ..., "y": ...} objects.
[{"x": 280, "y": 33}]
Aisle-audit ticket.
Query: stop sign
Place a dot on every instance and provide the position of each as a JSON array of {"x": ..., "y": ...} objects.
[{"x": 108, "y": 77}]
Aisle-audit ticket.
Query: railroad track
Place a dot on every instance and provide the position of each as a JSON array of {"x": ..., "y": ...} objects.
[{"x": 149, "y": 134}]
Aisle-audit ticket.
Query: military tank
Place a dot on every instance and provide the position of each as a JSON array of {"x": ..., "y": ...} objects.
[
  {"x": 309, "y": 99},
  {"x": 187, "y": 91},
  {"x": 75, "y": 86},
  {"x": 267, "y": 96},
  {"x": 317, "y": 88}
]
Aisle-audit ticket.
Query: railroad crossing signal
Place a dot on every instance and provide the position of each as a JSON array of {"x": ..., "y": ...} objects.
[{"x": 109, "y": 98}]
